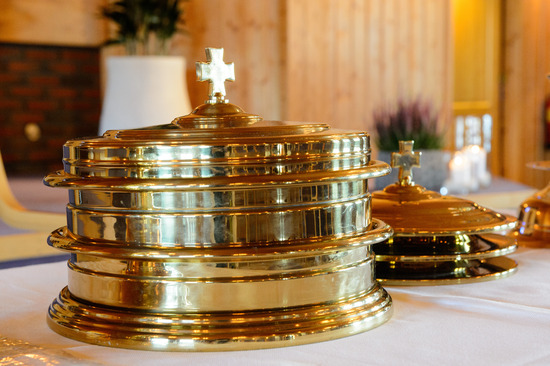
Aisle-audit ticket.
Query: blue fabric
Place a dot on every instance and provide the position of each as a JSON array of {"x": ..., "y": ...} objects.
[{"x": 32, "y": 261}]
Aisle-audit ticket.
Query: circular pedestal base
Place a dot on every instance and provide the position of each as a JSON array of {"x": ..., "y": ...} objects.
[{"x": 217, "y": 331}]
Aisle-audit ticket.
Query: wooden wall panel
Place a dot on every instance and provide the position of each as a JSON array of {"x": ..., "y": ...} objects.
[
  {"x": 527, "y": 62},
  {"x": 477, "y": 65},
  {"x": 251, "y": 32},
  {"x": 347, "y": 57},
  {"x": 333, "y": 62},
  {"x": 476, "y": 58},
  {"x": 52, "y": 22}
]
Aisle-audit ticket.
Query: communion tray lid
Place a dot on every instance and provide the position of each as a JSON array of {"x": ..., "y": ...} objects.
[
  {"x": 217, "y": 145},
  {"x": 415, "y": 211}
]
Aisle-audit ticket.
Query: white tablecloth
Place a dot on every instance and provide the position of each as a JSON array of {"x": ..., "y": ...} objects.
[{"x": 503, "y": 322}]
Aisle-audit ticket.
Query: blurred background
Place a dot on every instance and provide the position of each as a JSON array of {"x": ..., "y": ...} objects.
[{"x": 333, "y": 61}]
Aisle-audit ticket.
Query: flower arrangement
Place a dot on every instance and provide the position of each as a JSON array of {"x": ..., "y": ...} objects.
[
  {"x": 415, "y": 120},
  {"x": 144, "y": 27}
]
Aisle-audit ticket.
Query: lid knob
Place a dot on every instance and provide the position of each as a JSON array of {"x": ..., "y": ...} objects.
[
  {"x": 216, "y": 112},
  {"x": 405, "y": 159},
  {"x": 216, "y": 72}
]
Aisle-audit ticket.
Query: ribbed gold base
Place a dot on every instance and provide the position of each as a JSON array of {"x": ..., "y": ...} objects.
[{"x": 218, "y": 331}]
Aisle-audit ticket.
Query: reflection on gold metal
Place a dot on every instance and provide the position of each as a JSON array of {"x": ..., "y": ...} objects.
[
  {"x": 218, "y": 331},
  {"x": 444, "y": 248},
  {"x": 534, "y": 216},
  {"x": 219, "y": 231},
  {"x": 445, "y": 273},
  {"x": 437, "y": 239}
]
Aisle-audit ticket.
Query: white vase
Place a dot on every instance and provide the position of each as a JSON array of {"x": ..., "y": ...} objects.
[{"x": 143, "y": 91}]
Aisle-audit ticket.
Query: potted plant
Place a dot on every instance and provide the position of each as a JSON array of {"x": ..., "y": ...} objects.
[
  {"x": 144, "y": 27},
  {"x": 146, "y": 86},
  {"x": 415, "y": 120}
]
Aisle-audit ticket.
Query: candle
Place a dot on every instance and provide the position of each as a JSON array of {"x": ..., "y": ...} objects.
[
  {"x": 478, "y": 159},
  {"x": 460, "y": 174}
]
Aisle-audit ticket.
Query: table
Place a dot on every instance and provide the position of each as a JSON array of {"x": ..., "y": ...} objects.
[{"x": 502, "y": 322}]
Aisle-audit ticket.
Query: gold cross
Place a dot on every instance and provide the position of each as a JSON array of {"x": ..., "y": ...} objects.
[
  {"x": 405, "y": 159},
  {"x": 216, "y": 72}
]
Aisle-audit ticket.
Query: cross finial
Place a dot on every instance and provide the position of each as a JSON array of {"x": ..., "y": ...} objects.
[
  {"x": 405, "y": 159},
  {"x": 216, "y": 72}
]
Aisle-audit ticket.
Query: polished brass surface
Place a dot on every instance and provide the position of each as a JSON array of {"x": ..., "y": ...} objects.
[
  {"x": 219, "y": 231},
  {"x": 534, "y": 216},
  {"x": 221, "y": 286},
  {"x": 64, "y": 180},
  {"x": 247, "y": 197},
  {"x": 212, "y": 228},
  {"x": 415, "y": 211},
  {"x": 212, "y": 155},
  {"x": 63, "y": 239},
  {"x": 445, "y": 273},
  {"x": 218, "y": 331},
  {"x": 444, "y": 248},
  {"x": 437, "y": 239}
]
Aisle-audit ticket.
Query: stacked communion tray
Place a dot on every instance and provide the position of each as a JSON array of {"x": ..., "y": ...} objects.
[
  {"x": 437, "y": 239},
  {"x": 219, "y": 231}
]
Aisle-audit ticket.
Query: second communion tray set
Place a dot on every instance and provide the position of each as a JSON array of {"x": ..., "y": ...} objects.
[
  {"x": 437, "y": 239},
  {"x": 221, "y": 231}
]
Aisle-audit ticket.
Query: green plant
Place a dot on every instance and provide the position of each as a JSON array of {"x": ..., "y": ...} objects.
[
  {"x": 144, "y": 27},
  {"x": 415, "y": 120}
]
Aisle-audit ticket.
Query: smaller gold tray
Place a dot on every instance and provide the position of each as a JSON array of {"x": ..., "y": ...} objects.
[
  {"x": 437, "y": 239},
  {"x": 445, "y": 273},
  {"x": 444, "y": 249}
]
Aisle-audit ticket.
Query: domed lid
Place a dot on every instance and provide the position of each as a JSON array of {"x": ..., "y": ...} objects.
[
  {"x": 414, "y": 211},
  {"x": 218, "y": 143}
]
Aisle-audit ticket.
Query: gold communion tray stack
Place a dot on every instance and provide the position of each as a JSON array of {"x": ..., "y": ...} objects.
[
  {"x": 533, "y": 229},
  {"x": 219, "y": 231},
  {"x": 437, "y": 239}
]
